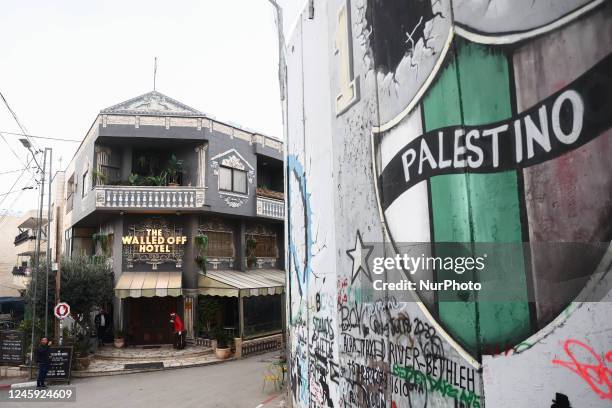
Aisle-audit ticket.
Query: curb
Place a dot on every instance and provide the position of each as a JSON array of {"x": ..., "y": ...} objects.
[{"x": 18, "y": 385}]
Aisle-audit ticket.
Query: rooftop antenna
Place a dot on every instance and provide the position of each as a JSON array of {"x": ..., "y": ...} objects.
[{"x": 154, "y": 72}]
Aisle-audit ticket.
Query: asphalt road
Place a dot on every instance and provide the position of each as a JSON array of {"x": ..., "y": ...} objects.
[{"x": 235, "y": 384}]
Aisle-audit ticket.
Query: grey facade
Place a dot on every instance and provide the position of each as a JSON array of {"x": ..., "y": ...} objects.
[{"x": 228, "y": 187}]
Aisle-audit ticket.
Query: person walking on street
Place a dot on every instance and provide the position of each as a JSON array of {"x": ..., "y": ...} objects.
[
  {"x": 179, "y": 327},
  {"x": 43, "y": 361}
]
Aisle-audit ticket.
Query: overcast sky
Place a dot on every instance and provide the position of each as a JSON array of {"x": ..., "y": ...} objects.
[{"x": 63, "y": 61}]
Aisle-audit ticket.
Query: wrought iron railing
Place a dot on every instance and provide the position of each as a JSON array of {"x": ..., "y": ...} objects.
[
  {"x": 24, "y": 236},
  {"x": 149, "y": 197},
  {"x": 269, "y": 207},
  {"x": 262, "y": 345}
]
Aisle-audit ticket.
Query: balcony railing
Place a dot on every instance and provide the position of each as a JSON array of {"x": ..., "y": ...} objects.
[
  {"x": 24, "y": 236},
  {"x": 149, "y": 197},
  {"x": 269, "y": 207},
  {"x": 22, "y": 271}
]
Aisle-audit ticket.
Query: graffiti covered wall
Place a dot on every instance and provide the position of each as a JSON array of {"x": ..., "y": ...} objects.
[{"x": 417, "y": 123}]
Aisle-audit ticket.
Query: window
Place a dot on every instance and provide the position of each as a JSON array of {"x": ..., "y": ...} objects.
[
  {"x": 232, "y": 180},
  {"x": 265, "y": 246},
  {"x": 70, "y": 189},
  {"x": 85, "y": 184},
  {"x": 220, "y": 244}
]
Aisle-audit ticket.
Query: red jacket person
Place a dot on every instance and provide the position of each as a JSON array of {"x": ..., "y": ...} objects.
[{"x": 179, "y": 328}]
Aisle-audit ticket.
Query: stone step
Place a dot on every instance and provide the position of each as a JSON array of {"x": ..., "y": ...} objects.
[
  {"x": 136, "y": 355},
  {"x": 118, "y": 369}
]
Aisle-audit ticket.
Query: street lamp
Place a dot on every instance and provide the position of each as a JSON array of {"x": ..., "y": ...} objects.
[{"x": 26, "y": 143}]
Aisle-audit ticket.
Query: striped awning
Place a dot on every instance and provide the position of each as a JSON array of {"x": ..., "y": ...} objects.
[
  {"x": 235, "y": 283},
  {"x": 148, "y": 284}
]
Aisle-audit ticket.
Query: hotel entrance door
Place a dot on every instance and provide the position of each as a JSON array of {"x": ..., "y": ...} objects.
[{"x": 149, "y": 319}]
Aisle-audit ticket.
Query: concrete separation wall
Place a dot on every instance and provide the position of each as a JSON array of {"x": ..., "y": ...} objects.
[{"x": 436, "y": 121}]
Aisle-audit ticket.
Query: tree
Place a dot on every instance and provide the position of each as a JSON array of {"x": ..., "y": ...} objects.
[{"x": 86, "y": 282}]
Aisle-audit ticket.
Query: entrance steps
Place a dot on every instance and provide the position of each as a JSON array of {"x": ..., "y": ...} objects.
[
  {"x": 162, "y": 351},
  {"x": 111, "y": 361}
]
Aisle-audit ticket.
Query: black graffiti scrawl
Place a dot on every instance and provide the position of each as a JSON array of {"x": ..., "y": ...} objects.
[{"x": 396, "y": 26}]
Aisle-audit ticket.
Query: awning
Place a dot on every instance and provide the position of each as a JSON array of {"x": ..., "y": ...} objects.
[
  {"x": 32, "y": 223},
  {"x": 235, "y": 283},
  {"x": 148, "y": 284}
]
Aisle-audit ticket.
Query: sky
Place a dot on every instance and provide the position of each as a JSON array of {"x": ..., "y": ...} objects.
[{"x": 61, "y": 62}]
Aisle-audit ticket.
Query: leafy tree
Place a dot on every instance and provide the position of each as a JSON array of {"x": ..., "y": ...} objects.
[{"x": 86, "y": 282}]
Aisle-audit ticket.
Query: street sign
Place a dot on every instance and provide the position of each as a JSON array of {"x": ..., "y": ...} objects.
[
  {"x": 60, "y": 359},
  {"x": 62, "y": 310}
]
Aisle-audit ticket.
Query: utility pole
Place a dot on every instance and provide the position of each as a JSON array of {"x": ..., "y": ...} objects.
[
  {"x": 58, "y": 257},
  {"x": 37, "y": 261},
  {"x": 48, "y": 239}
]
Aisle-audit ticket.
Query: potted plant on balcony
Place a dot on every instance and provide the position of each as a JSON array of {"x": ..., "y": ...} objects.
[
  {"x": 99, "y": 178},
  {"x": 159, "y": 180},
  {"x": 119, "y": 339},
  {"x": 175, "y": 166},
  {"x": 251, "y": 244},
  {"x": 134, "y": 179},
  {"x": 201, "y": 241},
  {"x": 223, "y": 349}
]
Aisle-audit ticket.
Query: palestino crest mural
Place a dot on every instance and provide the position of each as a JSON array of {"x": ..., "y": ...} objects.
[
  {"x": 478, "y": 151},
  {"x": 479, "y": 129}
]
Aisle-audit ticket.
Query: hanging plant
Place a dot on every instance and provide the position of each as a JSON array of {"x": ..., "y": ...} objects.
[
  {"x": 251, "y": 244},
  {"x": 102, "y": 239},
  {"x": 201, "y": 242}
]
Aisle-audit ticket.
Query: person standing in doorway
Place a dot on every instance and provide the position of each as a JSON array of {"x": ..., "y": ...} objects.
[
  {"x": 179, "y": 328},
  {"x": 101, "y": 321},
  {"x": 43, "y": 361}
]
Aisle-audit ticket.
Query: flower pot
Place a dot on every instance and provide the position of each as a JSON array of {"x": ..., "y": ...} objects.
[
  {"x": 222, "y": 353},
  {"x": 119, "y": 342}
]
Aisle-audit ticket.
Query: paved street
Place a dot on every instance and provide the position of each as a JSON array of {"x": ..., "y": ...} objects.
[{"x": 234, "y": 384}]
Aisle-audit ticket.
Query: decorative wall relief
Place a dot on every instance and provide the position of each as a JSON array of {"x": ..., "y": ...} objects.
[{"x": 233, "y": 160}]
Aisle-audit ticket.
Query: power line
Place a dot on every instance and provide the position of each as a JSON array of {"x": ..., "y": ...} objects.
[
  {"x": 15, "y": 171},
  {"x": 59, "y": 139},
  {"x": 25, "y": 132},
  {"x": 12, "y": 151},
  {"x": 16, "y": 181},
  {"x": 12, "y": 192}
]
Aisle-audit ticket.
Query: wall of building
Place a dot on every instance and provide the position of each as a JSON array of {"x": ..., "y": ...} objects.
[{"x": 365, "y": 79}]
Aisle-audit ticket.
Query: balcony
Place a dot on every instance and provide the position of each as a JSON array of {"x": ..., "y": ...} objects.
[
  {"x": 270, "y": 207},
  {"x": 149, "y": 197},
  {"x": 24, "y": 236},
  {"x": 22, "y": 271}
]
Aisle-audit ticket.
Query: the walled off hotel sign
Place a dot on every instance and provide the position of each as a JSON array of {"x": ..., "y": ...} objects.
[{"x": 154, "y": 241}]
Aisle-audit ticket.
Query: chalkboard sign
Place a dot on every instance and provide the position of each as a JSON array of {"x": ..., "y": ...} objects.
[
  {"x": 11, "y": 347},
  {"x": 60, "y": 359}
]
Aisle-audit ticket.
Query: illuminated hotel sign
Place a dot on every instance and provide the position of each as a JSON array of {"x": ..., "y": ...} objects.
[{"x": 154, "y": 242}]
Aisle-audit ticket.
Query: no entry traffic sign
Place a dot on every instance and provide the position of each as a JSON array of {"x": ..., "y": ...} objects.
[{"x": 61, "y": 310}]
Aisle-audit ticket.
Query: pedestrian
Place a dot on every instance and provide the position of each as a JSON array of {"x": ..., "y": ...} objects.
[
  {"x": 101, "y": 321},
  {"x": 42, "y": 359},
  {"x": 179, "y": 328}
]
